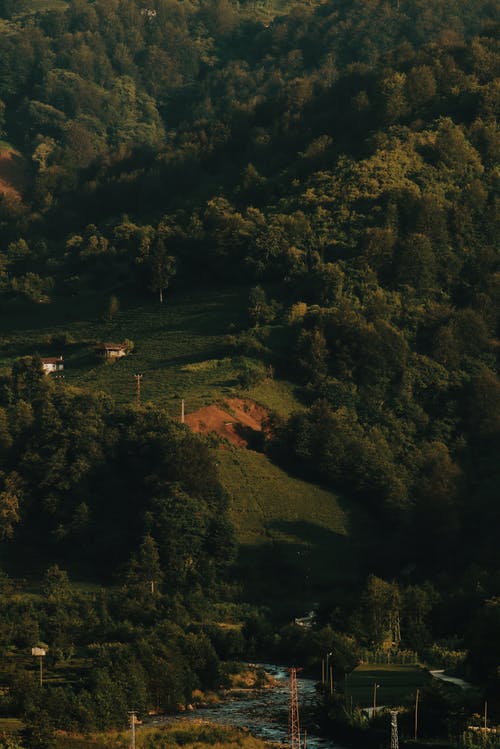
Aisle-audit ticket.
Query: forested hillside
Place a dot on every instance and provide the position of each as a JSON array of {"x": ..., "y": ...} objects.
[{"x": 336, "y": 164}]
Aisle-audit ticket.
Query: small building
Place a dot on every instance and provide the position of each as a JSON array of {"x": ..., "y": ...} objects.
[
  {"x": 305, "y": 621},
  {"x": 52, "y": 364},
  {"x": 111, "y": 350}
]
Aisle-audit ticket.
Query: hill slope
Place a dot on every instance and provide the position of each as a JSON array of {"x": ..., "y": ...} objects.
[{"x": 298, "y": 541}]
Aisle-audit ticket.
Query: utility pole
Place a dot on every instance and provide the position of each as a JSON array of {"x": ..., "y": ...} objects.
[
  {"x": 417, "y": 694},
  {"x": 485, "y": 715},
  {"x": 331, "y": 681},
  {"x": 133, "y": 719},
  {"x": 138, "y": 378},
  {"x": 182, "y": 411},
  {"x": 40, "y": 653},
  {"x": 323, "y": 671},
  {"x": 375, "y": 687}
]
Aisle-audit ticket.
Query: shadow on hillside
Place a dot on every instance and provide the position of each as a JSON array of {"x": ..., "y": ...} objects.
[
  {"x": 211, "y": 352},
  {"x": 300, "y": 564}
]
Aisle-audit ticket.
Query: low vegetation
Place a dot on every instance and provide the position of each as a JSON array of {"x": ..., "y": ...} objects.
[{"x": 170, "y": 736}]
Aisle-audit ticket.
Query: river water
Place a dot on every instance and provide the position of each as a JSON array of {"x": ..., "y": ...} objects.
[{"x": 265, "y": 713}]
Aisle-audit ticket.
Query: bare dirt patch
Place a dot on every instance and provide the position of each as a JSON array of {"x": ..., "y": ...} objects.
[
  {"x": 14, "y": 174},
  {"x": 240, "y": 424}
]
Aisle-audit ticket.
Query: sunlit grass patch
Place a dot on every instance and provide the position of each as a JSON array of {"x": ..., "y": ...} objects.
[
  {"x": 395, "y": 683},
  {"x": 177, "y": 733}
]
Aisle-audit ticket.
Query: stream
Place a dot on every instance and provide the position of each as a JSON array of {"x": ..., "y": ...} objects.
[{"x": 265, "y": 714}]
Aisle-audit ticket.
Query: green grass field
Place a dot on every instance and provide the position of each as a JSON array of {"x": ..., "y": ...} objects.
[
  {"x": 267, "y": 505},
  {"x": 169, "y": 340},
  {"x": 290, "y": 531},
  {"x": 396, "y": 683},
  {"x": 180, "y": 348}
]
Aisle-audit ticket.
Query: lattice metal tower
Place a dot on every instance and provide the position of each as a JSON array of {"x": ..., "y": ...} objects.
[
  {"x": 394, "y": 730},
  {"x": 293, "y": 714}
]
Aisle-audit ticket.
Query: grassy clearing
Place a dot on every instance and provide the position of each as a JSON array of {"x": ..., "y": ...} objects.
[
  {"x": 276, "y": 395},
  {"x": 171, "y": 343},
  {"x": 266, "y": 502},
  {"x": 396, "y": 683},
  {"x": 180, "y": 348},
  {"x": 10, "y": 725},
  {"x": 297, "y": 530},
  {"x": 188, "y": 735}
]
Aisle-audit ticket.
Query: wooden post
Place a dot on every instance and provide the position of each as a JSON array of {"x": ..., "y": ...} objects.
[
  {"x": 331, "y": 680},
  {"x": 485, "y": 715},
  {"x": 182, "y": 411},
  {"x": 323, "y": 671},
  {"x": 138, "y": 378},
  {"x": 417, "y": 694}
]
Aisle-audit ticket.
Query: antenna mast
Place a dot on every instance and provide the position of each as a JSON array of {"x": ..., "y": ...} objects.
[
  {"x": 394, "y": 730},
  {"x": 293, "y": 715}
]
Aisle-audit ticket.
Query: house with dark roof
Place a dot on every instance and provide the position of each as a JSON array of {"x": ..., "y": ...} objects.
[{"x": 111, "y": 350}]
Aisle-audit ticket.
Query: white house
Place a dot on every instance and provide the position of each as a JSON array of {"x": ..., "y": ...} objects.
[{"x": 52, "y": 364}]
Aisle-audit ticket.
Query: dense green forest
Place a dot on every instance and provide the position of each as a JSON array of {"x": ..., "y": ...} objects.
[{"x": 337, "y": 163}]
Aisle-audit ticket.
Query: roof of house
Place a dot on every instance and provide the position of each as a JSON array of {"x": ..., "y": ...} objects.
[
  {"x": 113, "y": 346},
  {"x": 51, "y": 359}
]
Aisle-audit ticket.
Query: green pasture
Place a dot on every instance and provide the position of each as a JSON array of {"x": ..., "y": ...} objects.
[
  {"x": 267, "y": 503},
  {"x": 172, "y": 341},
  {"x": 397, "y": 684},
  {"x": 180, "y": 347},
  {"x": 297, "y": 539}
]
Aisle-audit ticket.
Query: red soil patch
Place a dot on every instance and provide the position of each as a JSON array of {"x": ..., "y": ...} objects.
[
  {"x": 239, "y": 424},
  {"x": 13, "y": 174}
]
